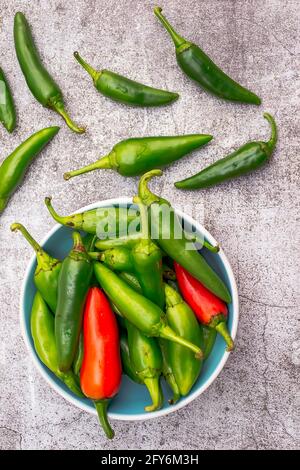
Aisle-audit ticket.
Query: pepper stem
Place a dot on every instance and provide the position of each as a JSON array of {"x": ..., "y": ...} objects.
[
  {"x": 167, "y": 333},
  {"x": 59, "y": 108},
  {"x": 144, "y": 218},
  {"x": 103, "y": 163},
  {"x": 223, "y": 330},
  {"x": 178, "y": 40},
  {"x": 43, "y": 259},
  {"x": 101, "y": 407},
  {"x": 273, "y": 140},
  {"x": 77, "y": 242},
  {"x": 153, "y": 386},
  {"x": 90, "y": 70},
  {"x": 62, "y": 220},
  {"x": 146, "y": 196}
]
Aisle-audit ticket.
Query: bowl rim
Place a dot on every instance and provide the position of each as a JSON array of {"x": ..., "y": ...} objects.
[{"x": 184, "y": 400}]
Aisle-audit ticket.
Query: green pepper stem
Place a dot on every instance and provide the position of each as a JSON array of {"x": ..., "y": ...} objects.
[
  {"x": 177, "y": 39},
  {"x": 43, "y": 259},
  {"x": 62, "y": 220},
  {"x": 274, "y": 135},
  {"x": 77, "y": 242},
  {"x": 96, "y": 255},
  {"x": 90, "y": 70},
  {"x": 102, "y": 163},
  {"x": 167, "y": 333},
  {"x": 223, "y": 330},
  {"x": 101, "y": 407},
  {"x": 153, "y": 386},
  {"x": 146, "y": 196},
  {"x": 59, "y": 108}
]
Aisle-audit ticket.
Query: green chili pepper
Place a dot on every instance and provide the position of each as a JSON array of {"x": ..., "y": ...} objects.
[
  {"x": 147, "y": 262},
  {"x": 199, "y": 67},
  {"x": 128, "y": 367},
  {"x": 181, "y": 318},
  {"x": 171, "y": 239},
  {"x": 39, "y": 81},
  {"x": 127, "y": 91},
  {"x": 117, "y": 259},
  {"x": 14, "y": 167},
  {"x": 168, "y": 372},
  {"x": 7, "y": 107},
  {"x": 146, "y": 359},
  {"x": 138, "y": 310},
  {"x": 47, "y": 270},
  {"x": 73, "y": 284},
  {"x": 246, "y": 159},
  {"x": 42, "y": 331},
  {"x": 103, "y": 220},
  {"x": 209, "y": 338},
  {"x": 135, "y": 156},
  {"x": 132, "y": 280},
  {"x": 78, "y": 356}
]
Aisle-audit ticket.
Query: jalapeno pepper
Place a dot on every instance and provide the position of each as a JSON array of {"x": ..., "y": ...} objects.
[
  {"x": 14, "y": 167},
  {"x": 208, "y": 308},
  {"x": 42, "y": 331},
  {"x": 39, "y": 81},
  {"x": 199, "y": 67},
  {"x": 100, "y": 375},
  {"x": 146, "y": 359},
  {"x": 128, "y": 367},
  {"x": 47, "y": 270},
  {"x": 172, "y": 240},
  {"x": 246, "y": 159},
  {"x": 73, "y": 284},
  {"x": 123, "y": 89},
  {"x": 7, "y": 107},
  {"x": 135, "y": 156},
  {"x": 185, "y": 367},
  {"x": 168, "y": 372},
  {"x": 101, "y": 221},
  {"x": 147, "y": 262},
  {"x": 138, "y": 310}
]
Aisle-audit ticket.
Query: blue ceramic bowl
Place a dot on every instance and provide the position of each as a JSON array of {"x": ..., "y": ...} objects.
[{"x": 132, "y": 398}]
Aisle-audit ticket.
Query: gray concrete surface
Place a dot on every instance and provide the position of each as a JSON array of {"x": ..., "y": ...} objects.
[{"x": 255, "y": 402}]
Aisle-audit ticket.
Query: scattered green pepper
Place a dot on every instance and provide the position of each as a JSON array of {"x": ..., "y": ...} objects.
[
  {"x": 135, "y": 156},
  {"x": 199, "y": 67},
  {"x": 123, "y": 89},
  {"x": 7, "y": 107},
  {"x": 14, "y": 167},
  {"x": 73, "y": 284},
  {"x": 246, "y": 159},
  {"x": 39, "y": 81},
  {"x": 47, "y": 270},
  {"x": 42, "y": 331}
]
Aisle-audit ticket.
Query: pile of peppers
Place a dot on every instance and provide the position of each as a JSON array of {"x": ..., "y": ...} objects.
[{"x": 137, "y": 303}]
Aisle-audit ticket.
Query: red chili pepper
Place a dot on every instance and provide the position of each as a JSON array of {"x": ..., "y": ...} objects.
[
  {"x": 208, "y": 308},
  {"x": 101, "y": 370}
]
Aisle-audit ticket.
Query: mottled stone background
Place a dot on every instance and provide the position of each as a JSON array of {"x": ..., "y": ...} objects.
[{"x": 255, "y": 401}]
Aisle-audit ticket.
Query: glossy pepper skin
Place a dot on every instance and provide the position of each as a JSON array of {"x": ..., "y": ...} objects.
[
  {"x": 77, "y": 363},
  {"x": 47, "y": 270},
  {"x": 209, "y": 339},
  {"x": 199, "y": 67},
  {"x": 146, "y": 359},
  {"x": 168, "y": 372},
  {"x": 73, "y": 284},
  {"x": 96, "y": 221},
  {"x": 172, "y": 240},
  {"x": 246, "y": 159},
  {"x": 13, "y": 168},
  {"x": 138, "y": 310},
  {"x": 180, "y": 317},
  {"x": 7, "y": 107},
  {"x": 127, "y": 91},
  {"x": 39, "y": 81},
  {"x": 208, "y": 308},
  {"x": 128, "y": 367},
  {"x": 147, "y": 262},
  {"x": 42, "y": 331},
  {"x": 135, "y": 156},
  {"x": 117, "y": 259},
  {"x": 101, "y": 371}
]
